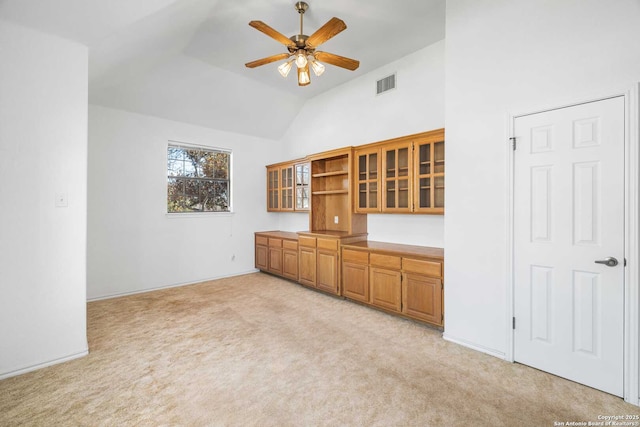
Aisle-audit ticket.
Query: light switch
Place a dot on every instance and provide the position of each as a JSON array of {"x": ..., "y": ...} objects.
[
  {"x": 335, "y": 219},
  {"x": 61, "y": 200}
]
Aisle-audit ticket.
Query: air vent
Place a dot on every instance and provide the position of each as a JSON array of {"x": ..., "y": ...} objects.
[{"x": 386, "y": 84}]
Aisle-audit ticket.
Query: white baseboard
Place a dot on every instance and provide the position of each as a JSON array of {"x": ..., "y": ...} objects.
[
  {"x": 482, "y": 349},
  {"x": 158, "y": 288},
  {"x": 17, "y": 372}
]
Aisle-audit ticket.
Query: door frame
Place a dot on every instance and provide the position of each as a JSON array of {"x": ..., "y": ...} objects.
[{"x": 631, "y": 351}]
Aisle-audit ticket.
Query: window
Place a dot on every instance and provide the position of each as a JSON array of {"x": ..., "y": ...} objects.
[{"x": 198, "y": 179}]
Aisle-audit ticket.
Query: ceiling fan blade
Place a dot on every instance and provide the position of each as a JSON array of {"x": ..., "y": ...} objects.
[
  {"x": 324, "y": 33},
  {"x": 337, "y": 60},
  {"x": 267, "y": 60},
  {"x": 277, "y": 36}
]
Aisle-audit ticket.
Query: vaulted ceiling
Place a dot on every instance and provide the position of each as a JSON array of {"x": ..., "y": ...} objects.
[{"x": 184, "y": 59}]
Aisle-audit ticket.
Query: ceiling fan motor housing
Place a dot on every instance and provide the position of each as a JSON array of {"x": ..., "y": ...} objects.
[{"x": 301, "y": 7}]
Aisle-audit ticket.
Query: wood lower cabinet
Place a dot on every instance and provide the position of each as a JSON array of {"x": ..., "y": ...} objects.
[
  {"x": 355, "y": 275},
  {"x": 327, "y": 271},
  {"x": 422, "y": 297},
  {"x": 275, "y": 256},
  {"x": 307, "y": 265},
  {"x": 276, "y": 252},
  {"x": 319, "y": 259},
  {"x": 262, "y": 252},
  {"x": 403, "y": 279},
  {"x": 290, "y": 259},
  {"x": 386, "y": 288}
]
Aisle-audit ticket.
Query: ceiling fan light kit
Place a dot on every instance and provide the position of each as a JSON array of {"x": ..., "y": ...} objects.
[{"x": 302, "y": 48}]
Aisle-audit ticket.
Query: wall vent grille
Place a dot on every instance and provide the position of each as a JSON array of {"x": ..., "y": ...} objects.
[{"x": 385, "y": 84}]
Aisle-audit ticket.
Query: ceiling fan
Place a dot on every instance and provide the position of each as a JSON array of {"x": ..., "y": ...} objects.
[{"x": 302, "y": 48}]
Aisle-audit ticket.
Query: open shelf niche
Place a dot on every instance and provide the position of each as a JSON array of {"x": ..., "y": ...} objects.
[{"x": 331, "y": 198}]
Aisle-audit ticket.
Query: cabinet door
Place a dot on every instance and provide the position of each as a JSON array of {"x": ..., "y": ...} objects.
[
  {"x": 396, "y": 164},
  {"x": 302, "y": 177},
  {"x": 307, "y": 266},
  {"x": 275, "y": 260},
  {"x": 290, "y": 264},
  {"x": 367, "y": 191},
  {"x": 327, "y": 271},
  {"x": 386, "y": 288},
  {"x": 355, "y": 281},
  {"x": 429, "y": 177},
  {"x": 273, "y": 189},
  {"x": 286, "y": 188},
  {"x": 262, "y": 254},
  {"x": 422, "y": 297}
]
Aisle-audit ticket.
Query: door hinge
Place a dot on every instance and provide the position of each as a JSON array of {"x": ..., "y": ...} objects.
[
  {"x": 513, "y": 322},
  {"x": 625, "y": 262},
  {"x": 513, "y": 142}
]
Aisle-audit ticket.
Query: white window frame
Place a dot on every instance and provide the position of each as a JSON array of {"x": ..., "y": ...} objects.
[{"x": 180, "y": 144}]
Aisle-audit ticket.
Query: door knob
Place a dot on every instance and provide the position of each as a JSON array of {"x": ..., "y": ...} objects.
[{"x": 609, "y": 262}]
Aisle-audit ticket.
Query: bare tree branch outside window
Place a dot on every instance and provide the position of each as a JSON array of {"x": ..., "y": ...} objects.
[{"x": 198, "y": 179}]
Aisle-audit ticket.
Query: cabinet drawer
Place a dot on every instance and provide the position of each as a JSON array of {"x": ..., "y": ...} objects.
[
  {"x": 329, "y": 244},
  {"x": 386, "y": 261},
  {"x": 428, "y": 268},
  {"x": 357, "y": 257},
  {"x": 290, "y": 244},
  {"x": 261, "y": 240},
  {"x": 275, "y": 243},
  {"x": 309, "y": 242}
]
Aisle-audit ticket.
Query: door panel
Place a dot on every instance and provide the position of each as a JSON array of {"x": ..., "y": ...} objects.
[{"x": 568, "y": 213}]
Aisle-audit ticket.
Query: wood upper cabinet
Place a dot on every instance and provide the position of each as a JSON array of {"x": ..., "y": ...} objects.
[
  {"x": 302, "y": 184},
  {"x": 396, "y": 179},
  {"x": 288, "y": 187},
  {"x": 273, "y": 188},
  {"x": 428, "y": 182},
  {"x": 403, "y": 175},
  {"x": 367, "y": 180}
]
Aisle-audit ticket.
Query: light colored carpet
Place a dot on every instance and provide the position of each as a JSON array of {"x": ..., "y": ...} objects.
[{"x": 256, "y": 350}]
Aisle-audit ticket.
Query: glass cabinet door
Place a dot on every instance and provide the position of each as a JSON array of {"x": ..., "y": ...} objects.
[
  {"x": 397, "y": 197},
  {"x": 302, "y": 186},
  {"x": 429, "y": 180},
  {"x": 286, "y": 188},
  {"x": 367, "y": 195},
  {"x": 273, "y": 189}
]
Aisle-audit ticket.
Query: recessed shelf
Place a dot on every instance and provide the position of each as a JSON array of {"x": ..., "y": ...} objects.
[
  {"x": 332, "y": 173},
  {"x": 320, "y": 193}
]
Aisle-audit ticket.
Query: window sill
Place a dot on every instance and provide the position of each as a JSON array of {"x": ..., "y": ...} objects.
[{"x": 198, "y": 215}]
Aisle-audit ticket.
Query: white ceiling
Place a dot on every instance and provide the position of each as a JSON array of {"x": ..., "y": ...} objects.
[{"x": 184, "y": 59}]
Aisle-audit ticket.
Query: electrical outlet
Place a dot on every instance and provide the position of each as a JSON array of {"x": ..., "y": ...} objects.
[{"x": 335, "y": 219}]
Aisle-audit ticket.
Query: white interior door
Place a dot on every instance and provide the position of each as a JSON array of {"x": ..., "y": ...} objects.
[{"x": 568, "y": 215}]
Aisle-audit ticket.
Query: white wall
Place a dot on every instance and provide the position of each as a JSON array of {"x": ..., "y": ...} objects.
[
  {"x": 133, "y": 244},
  {"x": 43, "y": 151},
  {"x": 512, "y": 56},
  {"x": 352, "y": 114}
]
